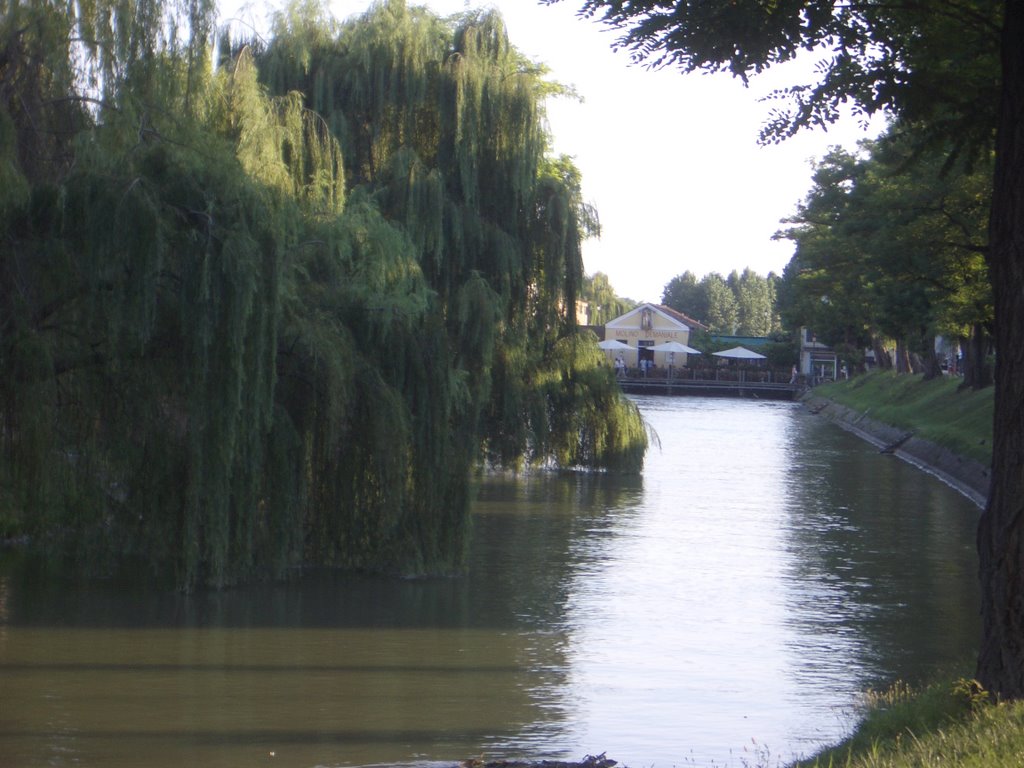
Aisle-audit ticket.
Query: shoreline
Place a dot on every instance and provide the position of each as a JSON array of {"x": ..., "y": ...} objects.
[{"x": 971, "y": 478}]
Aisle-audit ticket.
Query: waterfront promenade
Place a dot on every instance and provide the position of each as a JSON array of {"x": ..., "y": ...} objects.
[{"x": 758, "y": 384}]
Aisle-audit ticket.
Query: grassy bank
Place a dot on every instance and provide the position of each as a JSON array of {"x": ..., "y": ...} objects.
[
  {"x": 953, "y": 725},
  {"x": 937, "y": 410}
]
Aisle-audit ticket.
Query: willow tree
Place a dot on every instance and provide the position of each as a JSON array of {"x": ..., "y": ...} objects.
[
  {"x": 146, "y": 287},
  {"x": 85, "y": 250},
  {"x": 604, "y": 304},
  {"x": 241, "y": 336},
  {"x": 442, "y": 121}
]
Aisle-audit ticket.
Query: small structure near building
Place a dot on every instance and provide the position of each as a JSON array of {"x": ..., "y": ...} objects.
[
  {"x": 646, "y": 327},
  {"x": 755, "y": 343},
  {"x": 818, "y": 362}
]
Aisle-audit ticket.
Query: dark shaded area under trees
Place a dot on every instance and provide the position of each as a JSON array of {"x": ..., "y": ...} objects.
[{"x": 275, "y": 314}]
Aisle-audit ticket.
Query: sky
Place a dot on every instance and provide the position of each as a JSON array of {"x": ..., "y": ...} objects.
[{"x": 670, "y": 161}]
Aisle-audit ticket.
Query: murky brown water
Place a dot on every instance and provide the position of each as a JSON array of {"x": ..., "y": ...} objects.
[{"x": 732, "y": 602}]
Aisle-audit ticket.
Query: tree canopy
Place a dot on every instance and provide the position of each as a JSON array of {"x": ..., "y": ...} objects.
[
  {"x": 890, "y": 245},
  {"x": 273, "y": 314},
  {"x": 931, "y": 61},
  {"x": 603, "y": 302},
  {"x": 741, "y": 304}
]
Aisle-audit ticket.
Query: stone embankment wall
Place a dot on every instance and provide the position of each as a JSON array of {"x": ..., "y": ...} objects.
[{"x": 971, "y": 478}]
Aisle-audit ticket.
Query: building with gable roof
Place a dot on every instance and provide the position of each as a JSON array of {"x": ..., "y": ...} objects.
[{"x": 648, "y": 325}]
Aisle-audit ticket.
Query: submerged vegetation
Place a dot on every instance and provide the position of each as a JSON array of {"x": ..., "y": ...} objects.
[{"x": 273, "y": 313}]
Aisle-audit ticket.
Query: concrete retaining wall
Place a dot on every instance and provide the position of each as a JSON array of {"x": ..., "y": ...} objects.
[{"x": 970, "y": 477}]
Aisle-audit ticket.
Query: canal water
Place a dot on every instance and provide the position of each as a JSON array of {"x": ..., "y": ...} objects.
[{"x": 727, "y": 608}]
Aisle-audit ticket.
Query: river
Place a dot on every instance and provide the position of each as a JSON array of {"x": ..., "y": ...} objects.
[{"x": 727, "y": 608}]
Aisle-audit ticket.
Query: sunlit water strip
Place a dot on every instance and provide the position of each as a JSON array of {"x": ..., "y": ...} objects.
[{"x": 769, "y": 570}]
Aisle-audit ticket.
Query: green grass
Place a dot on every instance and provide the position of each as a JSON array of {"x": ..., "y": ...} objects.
[
  {"x": 938, "y": 410},
  {"x": 952, "y": 725}
]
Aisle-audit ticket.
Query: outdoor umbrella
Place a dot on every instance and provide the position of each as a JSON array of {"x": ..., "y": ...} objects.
[
  {"x": 674, "y": 346},
  {"x": 613, "y": 344},
  {"x": 739, "y": 353}
]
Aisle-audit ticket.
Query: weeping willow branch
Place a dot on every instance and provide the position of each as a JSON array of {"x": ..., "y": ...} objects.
[{"x": 309, "y": 292}]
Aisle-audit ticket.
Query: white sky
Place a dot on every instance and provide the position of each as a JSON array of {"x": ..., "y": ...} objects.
[{"x": 670, "y": 161}]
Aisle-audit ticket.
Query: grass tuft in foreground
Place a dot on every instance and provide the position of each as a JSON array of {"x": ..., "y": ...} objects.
[
  {"x": 954, "y": 726},
  {"x": 937, "y": 410}
]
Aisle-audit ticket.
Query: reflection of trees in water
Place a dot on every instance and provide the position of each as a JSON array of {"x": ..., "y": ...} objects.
[
  {"x": 516, "y": 576},
  {"x": 882, "y": 561},
  {"x": 477, "y": 660},
  {"x": 528, "y": 533},
  {"x": 878, "y": 570}
]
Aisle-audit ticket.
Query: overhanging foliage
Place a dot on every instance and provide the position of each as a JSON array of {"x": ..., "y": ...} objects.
[{"x": 262, "y": 318}]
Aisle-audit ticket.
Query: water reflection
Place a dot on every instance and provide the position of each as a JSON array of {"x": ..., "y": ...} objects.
[
  {"x": 887, "y": 565},
  {"x": 764, "y": 571}
]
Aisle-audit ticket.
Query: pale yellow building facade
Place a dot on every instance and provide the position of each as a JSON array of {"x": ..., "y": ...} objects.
[{"x": 647, "y": 326}]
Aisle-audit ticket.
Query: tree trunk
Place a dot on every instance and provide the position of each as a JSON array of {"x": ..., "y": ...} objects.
[
  {"x": 882, "y": 359},
  {"x": 976, "y": 370},
  {"x": 902, "y": 357},
  {"x": 1001, "y": 531},
  {"x": 930, "y": 360}
]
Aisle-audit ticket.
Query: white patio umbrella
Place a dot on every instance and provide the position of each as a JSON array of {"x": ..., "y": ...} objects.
[
  {"x": 739, "y": 353},
  {"x": 674, "y": 346},
  {"x": 613, "y": 344}
]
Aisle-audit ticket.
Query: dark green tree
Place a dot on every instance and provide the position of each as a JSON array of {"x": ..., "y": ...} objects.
[
  {"x": 723, "y": 315},
  {"x": 925, "y": 216},
  {"x": 685, "y": 294},
  {"x": 444, "y": 121},
  {"x": 749, "y": 311},
  {"x": 824, "y": 286},
  {"x": 604, "y": 303},
  {"x": 226, "y": 354},
  {"x": 891, "y": 243},
  {"x": 755, "y": 302}
]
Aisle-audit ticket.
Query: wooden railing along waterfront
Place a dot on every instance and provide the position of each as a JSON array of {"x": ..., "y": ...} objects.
[{"x": 755, "y": 383}]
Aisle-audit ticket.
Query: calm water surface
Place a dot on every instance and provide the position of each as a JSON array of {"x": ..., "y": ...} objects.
[{"x": 731, "y": 604}]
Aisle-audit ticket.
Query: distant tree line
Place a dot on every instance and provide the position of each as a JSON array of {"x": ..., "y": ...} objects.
[{"x": 742, "y": 304}]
